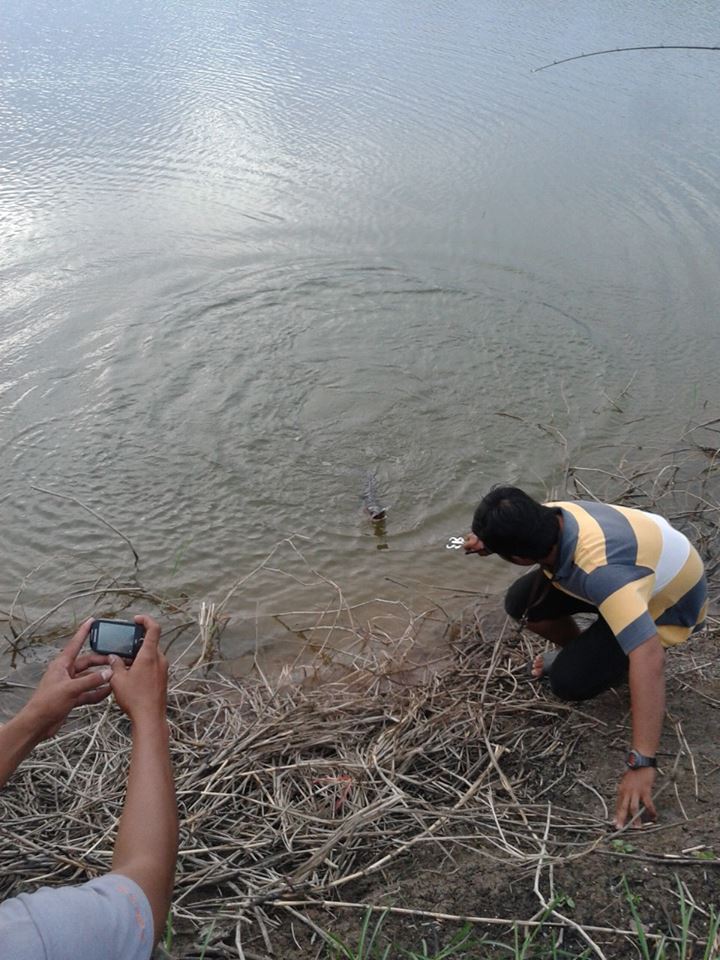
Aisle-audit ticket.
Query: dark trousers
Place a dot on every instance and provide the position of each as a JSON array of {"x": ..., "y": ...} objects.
[{"x": 587, "y": 665}]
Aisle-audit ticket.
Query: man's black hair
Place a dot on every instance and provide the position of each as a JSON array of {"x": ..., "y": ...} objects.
[{"x": 511, "y": 523}]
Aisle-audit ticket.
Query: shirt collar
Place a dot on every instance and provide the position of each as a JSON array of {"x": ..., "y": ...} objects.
[{"x": 566, "y": 546}]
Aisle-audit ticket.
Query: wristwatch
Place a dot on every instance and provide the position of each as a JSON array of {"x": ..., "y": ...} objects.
[{"x": 635, "y": 760}]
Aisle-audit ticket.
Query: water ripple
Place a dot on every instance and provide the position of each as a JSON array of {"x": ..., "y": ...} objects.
[{"x": 250, "y": 252}]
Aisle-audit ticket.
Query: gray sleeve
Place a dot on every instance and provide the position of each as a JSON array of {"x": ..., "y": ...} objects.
[{"x": 109, "y": 917}]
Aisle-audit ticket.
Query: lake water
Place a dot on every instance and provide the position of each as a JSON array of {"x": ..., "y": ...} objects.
[{"x": 252, "y": 250}]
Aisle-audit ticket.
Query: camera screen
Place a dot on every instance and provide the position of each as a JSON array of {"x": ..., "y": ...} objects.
[{"x": 117, "y": 637}]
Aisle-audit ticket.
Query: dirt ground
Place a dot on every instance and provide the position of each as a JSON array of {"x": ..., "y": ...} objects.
[{"x": 680, "y": 854}]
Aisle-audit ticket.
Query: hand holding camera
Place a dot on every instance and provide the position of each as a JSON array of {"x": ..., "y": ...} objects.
[
  {"x": 68, "y": 682},
  {"x": 140, "y": 688}
]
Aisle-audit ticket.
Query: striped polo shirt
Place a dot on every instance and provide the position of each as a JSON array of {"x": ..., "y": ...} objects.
[{"x": 643, "y": 575}]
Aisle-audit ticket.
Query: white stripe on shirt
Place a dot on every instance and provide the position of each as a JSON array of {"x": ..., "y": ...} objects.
[{"x": 674, "y": 553}]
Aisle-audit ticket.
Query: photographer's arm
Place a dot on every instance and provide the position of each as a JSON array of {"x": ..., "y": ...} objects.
[
  {"x": 17, "y": 738},
  {"x": 67, "y": 683},
  {"x": 146, "y": 845}
]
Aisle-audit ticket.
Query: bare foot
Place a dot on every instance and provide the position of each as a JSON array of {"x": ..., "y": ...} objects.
[{"x": 542, "y": 663}]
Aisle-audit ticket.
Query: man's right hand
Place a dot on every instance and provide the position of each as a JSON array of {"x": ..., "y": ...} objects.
[
  {"x": 474, "y": 544},
  {"x": 141, "y": 689}
]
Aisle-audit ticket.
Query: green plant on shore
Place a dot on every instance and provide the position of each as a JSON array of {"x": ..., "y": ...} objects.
[
  {"x": 461, "y": 941},
  {"x": 366, "y": 948},
  {"x": 531, "y": 948},
  {"x": 206, "y": 941},
  {"x": 682, "y": 947},
  {"x": 704, "y": 855},
  {"x": 167, "y": 940},
  {"x": 463, "y": 944},
  {"x": 622, "y": 846},
  {"x": 165, "y": 947},
  {"x": 538, "y": 942}
]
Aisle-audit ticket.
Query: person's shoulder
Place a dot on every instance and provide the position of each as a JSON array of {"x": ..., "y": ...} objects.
[
  {"x": 19, "y": 936},
  {"x": 580, "y": 510},
  {"x": 597, "y": 511},
  {"x": 109, "y": 916}
]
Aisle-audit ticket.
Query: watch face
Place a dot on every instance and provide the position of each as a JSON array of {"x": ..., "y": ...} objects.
[{"x": 636, "y": 761}]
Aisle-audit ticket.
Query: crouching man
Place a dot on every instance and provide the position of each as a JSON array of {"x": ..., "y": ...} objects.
[
  {"x": 641, "y": 577},
  {"x": 121, "y": 915}
]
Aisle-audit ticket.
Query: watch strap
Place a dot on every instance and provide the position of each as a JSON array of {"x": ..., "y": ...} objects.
[{"x": 635, "y": 760}]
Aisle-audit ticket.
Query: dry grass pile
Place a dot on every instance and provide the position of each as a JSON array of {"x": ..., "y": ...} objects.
[{"x": 297, "y": 792}]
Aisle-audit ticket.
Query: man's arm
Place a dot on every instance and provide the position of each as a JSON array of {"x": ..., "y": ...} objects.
[
  {"x": 17, "y": 739},
  {"x": 647, "y": 701},
  {"x": 147, "y": 840},
  {"x": 68, "y": 682}
]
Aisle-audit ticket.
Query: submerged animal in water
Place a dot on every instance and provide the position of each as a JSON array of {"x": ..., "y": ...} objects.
[{"x": 371, "y": 498}]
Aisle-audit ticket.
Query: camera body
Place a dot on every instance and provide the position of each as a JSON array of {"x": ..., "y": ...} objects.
[{"x": 121, "y": 637}]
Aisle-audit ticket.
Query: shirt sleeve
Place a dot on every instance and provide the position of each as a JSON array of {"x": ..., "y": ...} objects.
[{"x": 109, "y": 917}]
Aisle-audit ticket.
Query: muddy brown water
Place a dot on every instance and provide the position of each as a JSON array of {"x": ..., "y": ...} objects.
[{"x": 250, "y": 252}]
